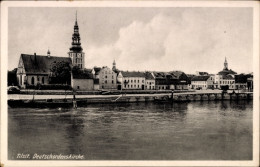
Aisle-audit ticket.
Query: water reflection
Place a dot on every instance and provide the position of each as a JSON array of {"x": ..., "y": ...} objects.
[{"x": 136, "y": 131}]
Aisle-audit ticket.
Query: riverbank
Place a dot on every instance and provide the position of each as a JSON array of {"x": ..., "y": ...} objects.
[
  {"x": 97, "y": 92},
  {"x": 67, "y": 101}
]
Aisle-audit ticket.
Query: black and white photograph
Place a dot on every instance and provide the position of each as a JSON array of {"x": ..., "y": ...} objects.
[{"x": 137, "y": 83}]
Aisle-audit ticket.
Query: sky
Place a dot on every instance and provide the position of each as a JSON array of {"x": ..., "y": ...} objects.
[{"x": 188, "y": 39}]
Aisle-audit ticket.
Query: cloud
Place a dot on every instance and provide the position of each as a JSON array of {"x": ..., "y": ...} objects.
[{"x": 189, "y": 43}]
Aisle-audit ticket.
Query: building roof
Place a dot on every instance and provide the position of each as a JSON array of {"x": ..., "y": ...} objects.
[
  {"x": 228, "y": 77},
  {"x": 132, "y": 74},
  {"x": 226, "y": 72},
  {"x": 177, "y": 74},
  {"x": 148, "y": 75},
  {"x": 41, "y": 64},
  {"x": 200, "y": 78},
  {"x": 82, "y": 75}
]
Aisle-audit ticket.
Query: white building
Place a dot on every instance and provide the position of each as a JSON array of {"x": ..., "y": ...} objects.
[
  {"x": 107, "y": 78},
  {"x": 133, "y": 80},
  {"x": 202, "y": 82}
]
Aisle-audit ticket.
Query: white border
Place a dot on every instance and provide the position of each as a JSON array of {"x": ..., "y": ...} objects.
[{"x": 4, "y": 53}]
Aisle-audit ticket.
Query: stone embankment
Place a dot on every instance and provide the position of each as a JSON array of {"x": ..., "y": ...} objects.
[{"x": 81, "y": 100}]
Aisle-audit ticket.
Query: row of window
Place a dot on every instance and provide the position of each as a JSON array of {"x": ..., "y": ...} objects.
[
  {"x": 149, "y": 83},
  {"x": 226, "y": 82},
  {"x": 134, "y": 81},
  {"x": 106, "y": 82},
  {"x": 106, "y": 77},
  {"x": 132, "y": 86}
]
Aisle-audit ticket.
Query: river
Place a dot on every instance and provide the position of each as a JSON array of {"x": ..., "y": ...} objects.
[{"x": 207, "y": 130}]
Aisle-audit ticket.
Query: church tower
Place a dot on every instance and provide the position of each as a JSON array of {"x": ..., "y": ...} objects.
[
  {"x": 75, "y": 53},
  {"x": 225, "y": 64}
]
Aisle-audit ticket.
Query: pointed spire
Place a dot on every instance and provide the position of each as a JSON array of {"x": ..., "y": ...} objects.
[
  {"x": 48, "y": 52},
  {"x": 114, "y": 65},
  {"x": 225, "y": 64}
]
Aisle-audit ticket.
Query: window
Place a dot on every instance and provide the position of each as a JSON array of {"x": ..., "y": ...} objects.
[
  {"x": 105, "y": 76},
  {"x": 131, "y": 80},
  {"x": 105, "y": 81},
  {"x": 77, "y": 87},
  {"x": 134, "y": 80},
  {"x": 138, "y": 81},
  {"x": 43, "y": 80},
  {"x": 112, "y": 81},
  {"x": 32, "y": 81}
]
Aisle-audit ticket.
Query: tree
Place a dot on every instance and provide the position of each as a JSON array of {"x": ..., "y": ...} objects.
[
  {"x": 60, "y": 73},
  {"x": 12, "y": 78}
]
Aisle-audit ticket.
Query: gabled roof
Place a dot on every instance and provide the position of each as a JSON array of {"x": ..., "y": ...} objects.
[
  {"x": 41, "y": 64},
  {"x": 148, "y": 75},
  {"x": 200, "y": 78},
  {"x": 177, "y": 74},
  {"x": 132, "y": 74}
]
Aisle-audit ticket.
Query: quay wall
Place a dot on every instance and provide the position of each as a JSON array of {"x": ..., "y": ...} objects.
[
  {"x": 70, "y": 92},
  {"x": 160, "y": 98},
  {"x": 175, "y": 98}
]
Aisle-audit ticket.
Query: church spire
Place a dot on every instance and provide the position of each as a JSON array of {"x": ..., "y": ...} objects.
[
  {"x": 76, "y": 45},
  {"x": 76, "y": 54},
  {"x": 114, "y": 65},
  {"x": 225, "y": 64}
]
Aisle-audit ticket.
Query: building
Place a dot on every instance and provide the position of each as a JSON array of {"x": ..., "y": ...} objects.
[
  {"x": 202, "y": 82},
  {"x": 35, "y": 69},
  {"x": 83, "y": 80},
  {"x": 107, "y": 78},
  {"x": 149, "y": 81},
  {"x": 76, "y": 52},
  {"x": 190, "y": 76},
  {"x": 226, "y": 77},
  {"x": 164, "y": 80},
  {"x": 182, "y": 80},
  {"x": 244, "y": 81},
  {"x": 133, "y": 80},
  {"x": 171, "y": 80}
]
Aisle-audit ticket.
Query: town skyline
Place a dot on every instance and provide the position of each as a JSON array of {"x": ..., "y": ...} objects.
[{"x": 156, "y": 33}]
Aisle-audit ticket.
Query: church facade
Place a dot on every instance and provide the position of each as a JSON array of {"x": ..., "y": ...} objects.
[{"x": 35, "y": 69}]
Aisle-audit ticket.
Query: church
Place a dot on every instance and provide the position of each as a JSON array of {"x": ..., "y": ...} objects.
[
  {"x": 225, "y": 77},
  {"x": 36, "y": 69}
]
